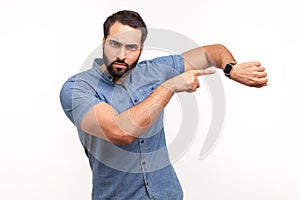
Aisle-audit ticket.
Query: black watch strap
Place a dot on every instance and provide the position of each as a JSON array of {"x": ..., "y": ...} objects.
[{"x": 228, "y": 69}]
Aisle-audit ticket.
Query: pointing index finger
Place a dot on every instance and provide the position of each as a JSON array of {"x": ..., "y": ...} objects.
[{"x": 201, "y": 72}]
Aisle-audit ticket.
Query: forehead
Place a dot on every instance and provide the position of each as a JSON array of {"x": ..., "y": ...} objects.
[{"x": 124, "y": 34}]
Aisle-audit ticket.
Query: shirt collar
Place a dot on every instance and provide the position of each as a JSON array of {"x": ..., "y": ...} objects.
[{"x": 97, "y": 66}]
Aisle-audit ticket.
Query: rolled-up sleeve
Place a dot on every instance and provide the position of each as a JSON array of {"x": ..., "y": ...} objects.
[{"x": 77, "y": 97}]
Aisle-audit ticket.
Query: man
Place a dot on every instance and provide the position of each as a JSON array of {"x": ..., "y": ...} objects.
[{"x": 117, "y": 108}]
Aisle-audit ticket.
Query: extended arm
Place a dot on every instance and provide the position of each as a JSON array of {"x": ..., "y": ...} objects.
[
  {"x": 123, "y": 128},
  {"x": 248, "y": 73}
]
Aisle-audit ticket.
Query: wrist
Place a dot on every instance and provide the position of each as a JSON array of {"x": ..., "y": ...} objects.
[
  {"x": 169, "y": 86},
  {"x": 229, "y": 68}
]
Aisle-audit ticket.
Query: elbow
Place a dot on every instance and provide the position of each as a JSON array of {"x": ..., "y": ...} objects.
[
  {"x": 213, "y": 47},
  {"x": 126, "y": 140},
  {"x": 121, "y": 138}
]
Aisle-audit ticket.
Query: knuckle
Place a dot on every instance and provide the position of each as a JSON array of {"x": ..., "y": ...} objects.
[
  {"x": 251, "y": 82},
  {"x": 255, "y": 74}
]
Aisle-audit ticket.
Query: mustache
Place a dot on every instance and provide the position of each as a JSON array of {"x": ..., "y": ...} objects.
[{"x": 122, "y": 62}]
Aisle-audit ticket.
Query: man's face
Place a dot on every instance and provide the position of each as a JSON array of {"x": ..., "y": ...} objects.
[{"x": 121, "y": 49}]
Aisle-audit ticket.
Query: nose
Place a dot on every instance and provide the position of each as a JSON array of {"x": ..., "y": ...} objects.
[{"x": 121, "y": 54}]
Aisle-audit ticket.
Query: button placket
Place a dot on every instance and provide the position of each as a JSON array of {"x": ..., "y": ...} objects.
[
  {"x": 145, "y": 164},
  {"x": 144, "y": 161}
]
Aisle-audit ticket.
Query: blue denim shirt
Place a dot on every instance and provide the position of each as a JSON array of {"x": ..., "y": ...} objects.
[{"x": 141, "y": 170}]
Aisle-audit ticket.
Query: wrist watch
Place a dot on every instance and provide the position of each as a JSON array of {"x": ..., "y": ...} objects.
[{"x": 228, "y": 69}]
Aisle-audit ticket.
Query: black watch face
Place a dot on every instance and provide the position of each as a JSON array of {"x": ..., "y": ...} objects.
[{"x": 227, "y": 69}]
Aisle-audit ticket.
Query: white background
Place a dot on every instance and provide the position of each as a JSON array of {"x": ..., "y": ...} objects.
[{"x": 42, "y": 43}]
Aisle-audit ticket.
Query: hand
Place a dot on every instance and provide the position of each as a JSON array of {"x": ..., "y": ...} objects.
[
  {"x": 250, "y": 73},
  {"x": 187, "y": 81}
]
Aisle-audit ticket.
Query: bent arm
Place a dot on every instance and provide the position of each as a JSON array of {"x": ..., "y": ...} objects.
[{"x": 123, "y": 128}]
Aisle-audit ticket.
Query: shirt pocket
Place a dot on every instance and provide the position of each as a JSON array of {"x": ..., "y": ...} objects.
[{"x": 144, "y": 91}]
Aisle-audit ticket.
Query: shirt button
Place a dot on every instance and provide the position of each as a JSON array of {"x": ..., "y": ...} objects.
[
  {"x": 142, "y": 142},
  {"x": 147, "y": 183},
  {"x": 144, "y": 163},
  {"x": 135, "y": 100}
]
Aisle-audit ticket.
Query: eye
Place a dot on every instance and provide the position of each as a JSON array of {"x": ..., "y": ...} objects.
[
  {"x": 132, "y": 47},
  {"x": 114, "y": 43}
]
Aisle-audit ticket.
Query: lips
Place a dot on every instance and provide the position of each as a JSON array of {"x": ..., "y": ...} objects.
[{"x": 119, "y": 66}]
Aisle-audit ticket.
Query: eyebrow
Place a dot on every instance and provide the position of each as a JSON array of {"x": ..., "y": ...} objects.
[{"x": 112, "y": 40}]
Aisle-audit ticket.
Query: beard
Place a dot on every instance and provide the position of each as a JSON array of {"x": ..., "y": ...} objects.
[{"x": 118, "y": 72}]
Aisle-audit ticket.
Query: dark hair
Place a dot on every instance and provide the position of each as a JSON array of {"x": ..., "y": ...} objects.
[{"x": 126, "y": 17}]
